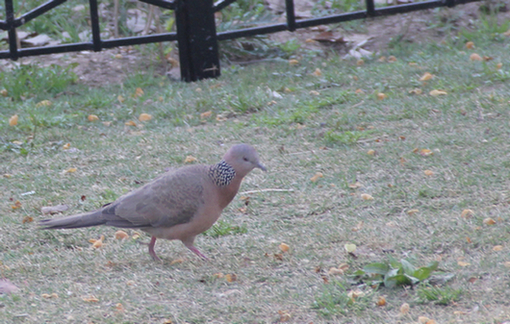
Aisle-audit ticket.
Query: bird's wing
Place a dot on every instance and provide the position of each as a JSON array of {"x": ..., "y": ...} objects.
[{"x": 169, "y": 200}]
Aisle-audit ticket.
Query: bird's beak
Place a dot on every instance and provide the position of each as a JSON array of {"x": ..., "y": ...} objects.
[{"x": 261, "y": 166}]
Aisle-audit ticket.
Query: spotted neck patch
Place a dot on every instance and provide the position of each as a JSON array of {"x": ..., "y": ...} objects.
[{"x": 222, "y": 174}]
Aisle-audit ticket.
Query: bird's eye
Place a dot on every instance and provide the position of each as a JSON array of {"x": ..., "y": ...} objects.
[{"x": 245, "y": 159}]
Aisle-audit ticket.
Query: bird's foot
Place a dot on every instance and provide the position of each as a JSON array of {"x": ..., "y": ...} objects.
[{"x": 197, "y": 252}]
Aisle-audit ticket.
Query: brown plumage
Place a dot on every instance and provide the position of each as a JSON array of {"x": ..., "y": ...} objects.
[{"x": 178, "y": 205}]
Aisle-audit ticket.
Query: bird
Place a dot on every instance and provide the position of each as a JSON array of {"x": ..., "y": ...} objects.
[{"x": 177, "y": 205}]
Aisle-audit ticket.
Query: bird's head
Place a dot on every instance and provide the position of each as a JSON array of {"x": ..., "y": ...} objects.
[{"x": 243, "y": 158}]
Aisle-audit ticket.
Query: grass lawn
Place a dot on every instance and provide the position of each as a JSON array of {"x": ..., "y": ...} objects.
[{"x": 399, "y": 168}]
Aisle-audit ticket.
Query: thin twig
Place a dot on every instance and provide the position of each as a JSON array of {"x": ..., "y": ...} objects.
[{"x": 266, "y": 190}]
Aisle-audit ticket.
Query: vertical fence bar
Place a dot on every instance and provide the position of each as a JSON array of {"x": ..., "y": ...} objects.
[
  {"x": 197, "y": 39},
  {"x": 291, "y": 15},
  {"x": 370, "y": 8},
  {"x": 11, "y": 30},
  {"x": 94, "y": 22}
]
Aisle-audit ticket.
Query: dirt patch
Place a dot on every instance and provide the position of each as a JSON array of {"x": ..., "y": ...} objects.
[{"x": 113, "y": 66}]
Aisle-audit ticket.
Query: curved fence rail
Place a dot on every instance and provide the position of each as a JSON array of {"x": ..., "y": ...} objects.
[{"x": 196, "y": 30}]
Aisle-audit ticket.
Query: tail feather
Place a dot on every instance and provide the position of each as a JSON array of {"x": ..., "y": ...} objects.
[{"x": 75, "y": 221}]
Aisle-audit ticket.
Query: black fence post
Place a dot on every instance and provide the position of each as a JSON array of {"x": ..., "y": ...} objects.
[
  {"x": 11, "y": 30},
  {"x": 370, "y": 8},
  {"x": 196, "y": 36}
]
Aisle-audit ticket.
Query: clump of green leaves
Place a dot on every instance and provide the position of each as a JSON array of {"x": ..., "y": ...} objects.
[
  {"x": 223, "y": 228},
  {"x": 394, "y": 273}
]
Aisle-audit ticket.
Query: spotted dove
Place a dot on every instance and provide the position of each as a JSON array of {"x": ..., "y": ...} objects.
[{"x": 178, "y": 205}]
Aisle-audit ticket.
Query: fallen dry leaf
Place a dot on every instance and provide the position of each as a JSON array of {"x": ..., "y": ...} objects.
[
  {"x": 17, "y": 205},
  {"x": 97, "y": 243},
  {"x": 392, "y": 59},
  {"x": 427, "y": 76},
  {"x": 507, "y": 264},
  {"x": 404, "y": 308},
  {"x": 381, "y": 301},
  {"x": 138, "y": 92},
  {"x": 475, "y": 57},
  {"x": 218, "y": 275},
  {"x": 359, "y": 91},
  {"x": 130, "y": 123},
  {"x": 92, "y": 118},
  {"x": 231, "y": 277},
  {"x": 206, "y": 114},
  {"x": 90, "y": 299},
  {"x": 66, "y": 146},
  {"x": 13, "y": 121},
  {"x": 436, "y": 93},
  {"x": 43, "y": 103},
  {"x": 411, "y": 212},
  {"x": 190, "y": 159},
  {"x": 335, "y": 271},
  {"x": 507, "y": 33},
  {"x": 293, "y": 62},
  {"x": 366, "y": 196},
  {"x": 416, "y": 91},
  {"x": 463, "y": 264},
  {"x": 371, "y": 152},
  {"x": 466, "y": 213},
  {"x": 497, "y": 248},
  {"x": 119, "y": 307},
  {"x": 316, "y": 177},
  {"x": 284, "y": 247},
  {"x": 121, "y": 235},
  {"x": 49, "y": 296},
  {"x": 27, "y": 219},
  {"x": 315, "y": 93},
  {"x": 70, "y": 170},
  {"x": 4, "y": 92},
  {"x": 353, "y": 294},
  {"x": 426, "y": 152},
  {"x": 144, "y": 117},
  {"x": 382, "y": 59},
  {"x": 317, "y": 72},
  {"x": 355, "y": 185},
  {"x": 381, "y": 96},
  {"x": 360, "y": 62},
  {"x": 50, "y": 210},
  {"x": 121, "y": 99},
  {"x": 423, "y": 319},
  {"x": 499, "y": 65},
  {"x": 350, "y": 248},
  {"x": 489, "y": 221},
  {"x": 177, "y": 261},
  {"x": 284, "y": 316},
  {"x": 428, "y": 172},
  {"x": 470, "y": 45}
]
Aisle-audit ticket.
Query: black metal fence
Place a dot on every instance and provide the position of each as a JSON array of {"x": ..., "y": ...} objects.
[{"x": 196, "y": 30}]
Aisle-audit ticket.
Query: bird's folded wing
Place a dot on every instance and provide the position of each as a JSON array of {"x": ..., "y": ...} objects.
[{"x": 171, "y": 199}]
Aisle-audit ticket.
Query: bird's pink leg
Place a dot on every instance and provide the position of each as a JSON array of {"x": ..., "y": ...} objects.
[
  {"x": 151, "y": 249},
  {"x": 197, "y": 252}
]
